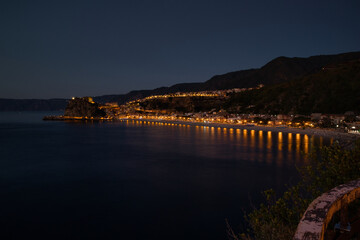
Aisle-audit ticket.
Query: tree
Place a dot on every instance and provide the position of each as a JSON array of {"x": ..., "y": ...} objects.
[{"x": 278, "y": 218}]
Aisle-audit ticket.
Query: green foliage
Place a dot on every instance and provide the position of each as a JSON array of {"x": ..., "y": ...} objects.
[
  {"x": 277, "y": 218},
  {"x": 335, "y": 166},
  {"x": 184, "y": 104},
  {"x": 332, "y": 90}
]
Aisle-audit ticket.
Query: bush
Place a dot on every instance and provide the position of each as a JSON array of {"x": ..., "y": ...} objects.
[{"x": 277, "y": 218}]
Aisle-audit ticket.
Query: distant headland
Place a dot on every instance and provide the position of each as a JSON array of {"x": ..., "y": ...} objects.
[{"x": 83, "y": 108}]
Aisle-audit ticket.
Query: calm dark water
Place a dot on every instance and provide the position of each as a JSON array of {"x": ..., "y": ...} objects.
[{"x": 135, "y": 180}]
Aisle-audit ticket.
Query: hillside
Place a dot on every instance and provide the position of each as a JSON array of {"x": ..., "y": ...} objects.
[
  {"x": 183, "y": 104},
  {"x": 279, "y": 70},
  {"x": 333, "y": 89}
]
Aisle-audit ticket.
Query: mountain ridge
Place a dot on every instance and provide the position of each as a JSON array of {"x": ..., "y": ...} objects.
[
  {"x": 278, "y": 70},
  {"x": 332, "y": 90}
]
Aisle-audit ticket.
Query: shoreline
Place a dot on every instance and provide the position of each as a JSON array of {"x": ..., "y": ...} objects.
[
  {"x": 344, "y": 138},
  {"x": 65, "y": 118},
  {"x": 327, "y": 133}
]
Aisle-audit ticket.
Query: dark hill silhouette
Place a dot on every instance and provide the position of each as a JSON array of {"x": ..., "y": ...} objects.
[
  {"x": 279, "y": 70},
  {"x": 333, "y": 89}
]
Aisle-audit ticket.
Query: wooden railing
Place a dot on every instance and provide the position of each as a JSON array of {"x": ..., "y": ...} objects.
[{"x": 315, "y": 221}]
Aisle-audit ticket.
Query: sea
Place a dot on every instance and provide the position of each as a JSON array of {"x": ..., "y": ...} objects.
[{"x": 137, "y": 179}]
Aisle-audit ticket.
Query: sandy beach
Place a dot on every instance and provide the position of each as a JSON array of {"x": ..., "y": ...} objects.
[{"x": 342, "y": 137}]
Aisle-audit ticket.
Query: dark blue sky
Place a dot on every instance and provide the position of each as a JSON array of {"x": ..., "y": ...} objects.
[{"x": 52, "y": 49}]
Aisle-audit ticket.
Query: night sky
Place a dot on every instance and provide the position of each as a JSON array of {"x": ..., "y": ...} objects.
[{"x": 52, "y": 49}]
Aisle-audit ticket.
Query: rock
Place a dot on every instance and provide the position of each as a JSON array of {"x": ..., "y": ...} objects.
[{"x": 83, "y": 107}]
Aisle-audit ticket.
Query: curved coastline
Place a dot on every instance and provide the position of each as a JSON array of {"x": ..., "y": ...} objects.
[{"x": 342, "y": 137}]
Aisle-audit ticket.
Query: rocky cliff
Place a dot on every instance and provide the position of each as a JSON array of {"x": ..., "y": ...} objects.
[{"x": 83, "y": 107}]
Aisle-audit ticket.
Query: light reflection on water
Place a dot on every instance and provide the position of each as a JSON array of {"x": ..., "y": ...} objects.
[
  {"x": 261, "y": 146},
  {"x": 141, "y": 179}
]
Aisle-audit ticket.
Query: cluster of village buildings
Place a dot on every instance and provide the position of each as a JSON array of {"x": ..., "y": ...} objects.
[
  {"x": 216, "y": 93},
  {"x": 347, "y": 122}
]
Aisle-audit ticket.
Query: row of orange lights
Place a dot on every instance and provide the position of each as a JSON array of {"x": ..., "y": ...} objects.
[{"x": 207, "y": 127}]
